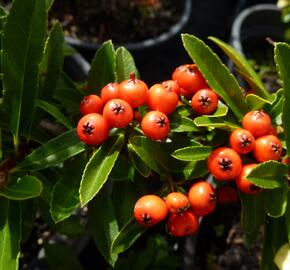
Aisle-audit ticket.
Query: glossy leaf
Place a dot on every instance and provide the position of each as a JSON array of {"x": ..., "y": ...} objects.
[
  {"x": 104, "y": 223},
  {"x": 276, "y": 201},
  {"x": 216, "y": 73},
  {"x": 10, "y": 234},
  {"x": 124, "y": 201},
  {"x": 67, "y": 93},
  {"x": 253, "y": 215},
  {"x": 127, "y": 236},
  {"x": 138, "y": 163},
  {"x": 269, "y": 175},
  {"x": 122, "y": 169},
  {"x": 23, "y": 188},
  {"x": 149, "y": 151},
  {"x": 275, "y": 109},
  {"x": 55, "y": 112},
  {"x": 125, "y": 65},
  {"x": 99, "y": 167},
  {"x": 255, "y": 102},
  {"x": 49, "y": 4},
  {"x": 274, "y": 238},
  {"x": 192, "y": 153},
  {"x": 194, "y": 169},
  {"x": 53, "y": 152},
  {"x": 22, "y": 48},
  {"x": 61, "y": 257},
  {"x": 182, "y": 124},
  {"x": 287, "y": 216},
  {"x": 282, "y": 257},
  {"x": 242, "y": 63},
  {"x": 62, "y": 206},
  {"x": 282, "y": 54},
  {"x": 103, "y": 68},
  {"x": 52, "y": 62}
]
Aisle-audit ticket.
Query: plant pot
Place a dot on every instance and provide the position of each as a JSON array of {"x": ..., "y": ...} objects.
[
  {"x": 155, "y": 58},
  {"x": 249, "y": 34}
]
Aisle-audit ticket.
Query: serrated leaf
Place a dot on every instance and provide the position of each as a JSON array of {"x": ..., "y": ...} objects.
[
  {"x": 23, "y": 188},
  {"x": 127, "y": 236},
  {"x": 57, "y": 254},
  {"x": 253, "y": 215},
  {"x": 243, "y": 65},
  {"x": 275, "y": 109},
  {"x": 21, "y": 54},
  {"x": 54, "y": 111},
  {"x": 216, "y": 74},
  {"x": 255, "y": 102},
  {"x": 103, "y": 68},
  {"x": 216, "y": 122},
  {"x": 53, "y": 152},
  {"x": 61, "y": 206},
  {"x": 269, "y": 175},
  {"x": 99, "y": 167},
  {"x": 104, "y": 224},
  {"x": 149, "y": 151},
  {"x": 52, "y": 62},
  {"x": 10, "y": 234},
  {"x": 281, "y": 55},
  {"x": 138, "y": 163},
  {"x": 276, "y": 201},
  {"x": 125, "y": 65},
  {"x": 192, "y": 153}
]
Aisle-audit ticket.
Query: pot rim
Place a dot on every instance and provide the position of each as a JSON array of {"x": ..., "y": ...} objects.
[
  {"x": 237, "y": 24},
  {"x": 144, "y": 44}
]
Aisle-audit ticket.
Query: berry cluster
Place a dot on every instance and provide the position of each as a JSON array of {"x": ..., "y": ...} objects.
[
  {"x": 257, "y": 139},
  {"x": 183, "y": 211},
  {"x": 119, "y": 104}
]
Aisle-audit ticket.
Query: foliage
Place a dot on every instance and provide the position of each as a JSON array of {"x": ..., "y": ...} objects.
[{"x": 63, "y": 180}]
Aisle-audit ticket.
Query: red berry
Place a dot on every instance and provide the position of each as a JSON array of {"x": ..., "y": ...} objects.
[
  {"x": 202, "y": 198},
  {"x": 110, "y": 91},
  {"x": 224, "y": 163},
  {"x": 91, "y": 104},
  {"x": 150, "y": 210},
  {"x": 93, "y": 129},
  {"x": 242, "y": 141},
  {"x": 227, "y": 194},
  {"x": 177, "y": 202},
  {"x": 204, "y": 101},
  {"x": 118, "y": 113}
]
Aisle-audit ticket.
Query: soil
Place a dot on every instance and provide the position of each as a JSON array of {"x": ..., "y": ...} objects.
[
  {"x": 221, "y": 243},
  {"x": 122, "y": 21}
]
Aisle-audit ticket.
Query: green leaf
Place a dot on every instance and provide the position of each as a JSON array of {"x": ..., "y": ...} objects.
[
  {"x": 23, "y": 188},
  {"x": 10, "y": 234},
  {"x": 194, "y": 169},
  {"x": 216, "y": 73},
  {"x": 287, "y": 216},
  {"x": 149, "y": 151},
  {"x": 53, "y": 152},
  {"x": 70, "y": 227},
  {"x": 253, "y": 215},
  {"x": 103, "y": 68},
  {"x": 282, "y": 54},
  {"x": 182, "y": 124},
  {"x": 282, "y": 257},
  {"x": 216, "y": 122},
  {"x": 269, "y": 175},
  {"x": 138, "y": 163},
  {"x": 22, "y": 48},
  {"x": 62, "y": 206},
  {"x": 276, "y": 201},
  {"x": 68, "y": 94},
  {"x": 127, "y": 236},
  {"x": 99, "y": 167},
  {"x": 243, "y": 65},
  {"x": 122, "y": 169},
  {"x": 275, "y": 109},
  {"x": 274, "y": 238},
  {"x": 255, "y": 102},
  {"x": 61, "y": 257},
  {"x": 49, "y": 4},
  {"x": 192, "y": 153},
  {"x": 104, "y": 224},
  {"x": 125, "y": 65},
  {"x": 124, "y": 201},
  {"x": 52, "y": 62},
  {"x": 54, "y": 111}
]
